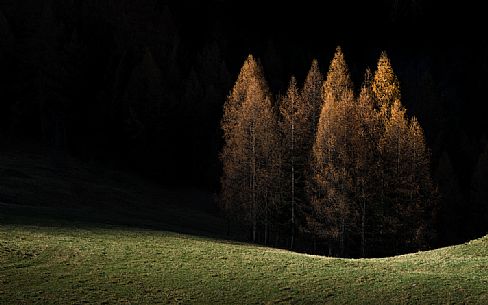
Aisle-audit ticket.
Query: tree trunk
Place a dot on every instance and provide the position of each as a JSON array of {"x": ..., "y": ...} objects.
[
  {"x": 343, "y": 232},
  {"x": 228, "y": 227},
  {"x": 253, "y": 213},
  {"x": 363, "y": 222},
  {"x": 292, "y": 184},
  {"x": 266, "y": 232},
  {"x": 314, "y": 244},
  {"x": 266, "y": 223},
  {"x": 363, "y": 239}
]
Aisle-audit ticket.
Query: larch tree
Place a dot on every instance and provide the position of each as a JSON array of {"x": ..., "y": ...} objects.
[
  {"x": 295, "y": 135},
  {"x": 233, "y": 180},
  {"x": 365, "y": 142},
  {"x": 385, "y": 85},
  {"x": 394, "y": 146},
  {"x": 423, "y": 194},
  {"x": 408, "y": 198},
  {"x": 250, "y": 134},
  {"x": 331, "y": 185},
  {"x": 311, "y": 94}
]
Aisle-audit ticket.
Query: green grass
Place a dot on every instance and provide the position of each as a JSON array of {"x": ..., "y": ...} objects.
[
  {"x": 56, "y": 247},
  {"x": 116, "y": 265}
]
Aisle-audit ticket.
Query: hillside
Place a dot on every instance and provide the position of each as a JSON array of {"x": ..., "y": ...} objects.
[
  {"x": 113, "y": 265},
  {"x": 48, "y": 188}
]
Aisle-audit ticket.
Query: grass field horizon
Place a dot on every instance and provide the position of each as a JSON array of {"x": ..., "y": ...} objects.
[{"x": 107, "y": 265}]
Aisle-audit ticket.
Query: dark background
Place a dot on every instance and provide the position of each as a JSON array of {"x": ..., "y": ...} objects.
[{"x": 139, "y": 85}]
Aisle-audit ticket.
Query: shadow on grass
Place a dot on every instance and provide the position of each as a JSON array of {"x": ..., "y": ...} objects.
[
  {"x": 169, "y": 218},
  {"x": 58, "y": 191}
]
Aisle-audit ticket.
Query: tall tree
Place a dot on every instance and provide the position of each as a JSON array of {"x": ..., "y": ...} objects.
[
  {"x": 365, "y": 140},
  {"x": 311, "y": 94},
  {"x": 249, "y": 126},
  {"x": 331, "y": 183},
  {"x": 406, "y": 176},
  {"x": 295, "y": 136}
]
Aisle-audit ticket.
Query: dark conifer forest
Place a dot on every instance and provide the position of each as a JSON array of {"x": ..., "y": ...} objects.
[{"x": 155, "y": 88}]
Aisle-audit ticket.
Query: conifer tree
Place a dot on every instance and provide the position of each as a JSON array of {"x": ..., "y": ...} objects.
[
  {"x": 385, "y": 85},
  {"x": 295, "y": 135},
  {"x": 331, "y": 186},
  {"x": 311, "y": 94},
  {"x": 249, "y": 126},
  {"x": 408, "y": 188},
  {"x": 365, "y": 140}
]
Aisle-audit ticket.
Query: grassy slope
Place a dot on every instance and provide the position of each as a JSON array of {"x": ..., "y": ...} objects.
[
  {"x": 120, "y": 265},
  {"x": 55, "y": 248},
  {"x": 49, "y": 189}
]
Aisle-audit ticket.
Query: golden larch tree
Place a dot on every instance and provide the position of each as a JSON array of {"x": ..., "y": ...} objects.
[
  {"x": 331, "y": 185},
  {"x": 409, "y": 195},
  {"x": 249, "y": 152},
  {"x": 365, "y": 142},
  {"x": 295, "y": 134},
  {"x": 385, "y": 85}
]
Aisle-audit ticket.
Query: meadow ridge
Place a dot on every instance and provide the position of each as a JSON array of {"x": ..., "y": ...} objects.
[{"x": 118, "y": 265}]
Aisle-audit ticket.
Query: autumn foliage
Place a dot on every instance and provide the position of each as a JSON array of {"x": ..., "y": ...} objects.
[{"x": 350, "y": 171}]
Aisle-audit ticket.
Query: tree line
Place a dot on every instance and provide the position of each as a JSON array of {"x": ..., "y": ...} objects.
[{"x": 348, "y": 171}]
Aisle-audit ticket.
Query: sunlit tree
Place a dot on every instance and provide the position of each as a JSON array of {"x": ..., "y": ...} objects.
[
  {"x": 250, "y": 135},
  {"x": 331, "y": 162},
  {"x": 385, "y": 85},
  {"x": 408, "y": 187}
]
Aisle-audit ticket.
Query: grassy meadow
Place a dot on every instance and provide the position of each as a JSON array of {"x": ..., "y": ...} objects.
[
  {"x": 113, "y": 265},
  {"x": 71, "y": 233}
]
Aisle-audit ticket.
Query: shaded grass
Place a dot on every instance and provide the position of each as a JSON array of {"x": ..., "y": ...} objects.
[
  {"x": 56, "y": 190},
  {"x": 129, "y": 266}
]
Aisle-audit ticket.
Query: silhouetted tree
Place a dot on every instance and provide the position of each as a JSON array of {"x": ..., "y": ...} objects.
[
  {"x": 451, "y": 208},
  {"x": 144, "y": 99},
  {"x": 479, "y": 193}
]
